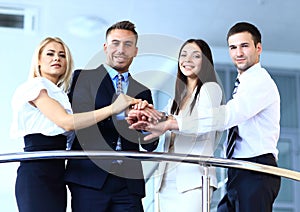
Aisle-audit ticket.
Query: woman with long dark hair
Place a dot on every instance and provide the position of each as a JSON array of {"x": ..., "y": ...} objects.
[{"x": 180, "y": 186}]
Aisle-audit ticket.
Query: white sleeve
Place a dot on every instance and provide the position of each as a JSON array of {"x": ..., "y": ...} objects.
[
  {"x": 252, "y": 97},
  {"x": 28, "y": 91}
]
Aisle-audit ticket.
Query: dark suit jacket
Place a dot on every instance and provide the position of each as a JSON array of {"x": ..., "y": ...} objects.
[{"x": 93, "y": 89}]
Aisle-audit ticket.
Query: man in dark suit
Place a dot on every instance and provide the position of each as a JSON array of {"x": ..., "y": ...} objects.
[{"x": 102, "y": 184}]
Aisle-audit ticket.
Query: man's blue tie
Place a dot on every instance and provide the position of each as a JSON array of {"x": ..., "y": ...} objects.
[
  {"x": 119, "y": 91},
  {"x": 119, "y": 84}
]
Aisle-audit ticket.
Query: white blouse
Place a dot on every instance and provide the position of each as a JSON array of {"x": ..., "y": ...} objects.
[
  {"x": 188, "y": 176},
  {"x": 28, "y": 119}
]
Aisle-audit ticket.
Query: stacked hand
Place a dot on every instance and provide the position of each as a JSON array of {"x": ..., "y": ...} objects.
[
  {"x": 143, "y": 116},
  {"x": 122, "y": 102},
  {"x": 143, "y": 111}
]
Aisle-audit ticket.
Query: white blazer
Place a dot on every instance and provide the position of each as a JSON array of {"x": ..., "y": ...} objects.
[{"x": 188, "y": 176}]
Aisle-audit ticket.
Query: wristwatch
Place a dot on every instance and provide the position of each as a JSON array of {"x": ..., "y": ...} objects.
[{"x": 165, "y": 116}]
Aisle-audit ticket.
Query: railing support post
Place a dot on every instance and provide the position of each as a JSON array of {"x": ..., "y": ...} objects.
[{"x": 205, "y": 190}]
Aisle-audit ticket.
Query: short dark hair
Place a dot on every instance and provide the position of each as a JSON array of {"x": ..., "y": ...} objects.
[
  {"x": 245, "y": 27},
  {"x": 126, "y": 25}
]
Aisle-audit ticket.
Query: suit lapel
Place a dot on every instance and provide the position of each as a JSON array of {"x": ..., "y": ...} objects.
[
  {"x": 106, "y": 91},
  {"x": 107, "y": 82},
  {"x": 130, "y": 84}
]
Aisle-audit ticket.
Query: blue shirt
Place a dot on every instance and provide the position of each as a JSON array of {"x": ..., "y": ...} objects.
[{"x": 114, "y": 77}]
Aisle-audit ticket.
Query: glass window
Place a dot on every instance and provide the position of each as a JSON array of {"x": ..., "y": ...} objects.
[
  {"x": 288, "y": 95},
  {"x": 12, "y": 21}
]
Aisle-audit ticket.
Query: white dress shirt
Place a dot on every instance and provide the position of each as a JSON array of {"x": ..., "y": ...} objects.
[{"x": 255, "y": 108}]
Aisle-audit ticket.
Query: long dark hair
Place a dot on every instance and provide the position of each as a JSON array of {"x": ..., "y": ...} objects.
[{"x": 206, "y": 74}]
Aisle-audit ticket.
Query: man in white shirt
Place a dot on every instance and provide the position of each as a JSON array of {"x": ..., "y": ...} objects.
[{"x": 255, "y": 110}]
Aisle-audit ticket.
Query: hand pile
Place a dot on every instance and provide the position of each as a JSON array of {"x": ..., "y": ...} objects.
[{"x": 143, "y": 116}]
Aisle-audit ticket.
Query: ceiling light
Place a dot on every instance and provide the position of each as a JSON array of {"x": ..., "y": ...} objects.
[{"x": 87, "y": 26}]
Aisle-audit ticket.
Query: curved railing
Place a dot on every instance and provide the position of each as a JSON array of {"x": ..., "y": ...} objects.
[{"x": 156, "y": 156}]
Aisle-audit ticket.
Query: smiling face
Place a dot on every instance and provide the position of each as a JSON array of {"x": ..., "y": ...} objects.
[
  {"x": 52, "y": 61},
  {"x": 190, "y": 60},
  {"x": 243, "y": 51},
  {"x": 120, "y": 49}
]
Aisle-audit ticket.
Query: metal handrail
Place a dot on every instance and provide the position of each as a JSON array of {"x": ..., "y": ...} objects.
[
  {"x": 205, "y": 161},
  {"x": 151, "y": 156}
]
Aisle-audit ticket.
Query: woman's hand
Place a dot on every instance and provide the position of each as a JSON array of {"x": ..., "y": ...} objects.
[
  {"x": 123, "y": 102},
  {"x": 156, "y": 129}
]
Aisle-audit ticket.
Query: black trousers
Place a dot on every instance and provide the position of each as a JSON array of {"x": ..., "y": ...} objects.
[
  {"x": 113, "y": 197},
  {"x": 40, "y": 184},
  {"x": 249, "y": 191}
]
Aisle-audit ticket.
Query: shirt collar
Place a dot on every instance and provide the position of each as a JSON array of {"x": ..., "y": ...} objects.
[
  {"x": 112, "y": 73},
  {"x": 253, "y": 68}
]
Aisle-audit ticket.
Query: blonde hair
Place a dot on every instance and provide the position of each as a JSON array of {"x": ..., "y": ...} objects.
[{"x": 65, "y": 80}]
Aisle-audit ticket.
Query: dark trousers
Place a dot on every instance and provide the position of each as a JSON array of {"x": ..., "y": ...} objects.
[
  {"x": 249, "y": 191},
  {"x": 113, "y": 197}
]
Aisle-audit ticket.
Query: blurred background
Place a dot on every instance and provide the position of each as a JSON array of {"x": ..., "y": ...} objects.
[{"x": 163, "y": 26}]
